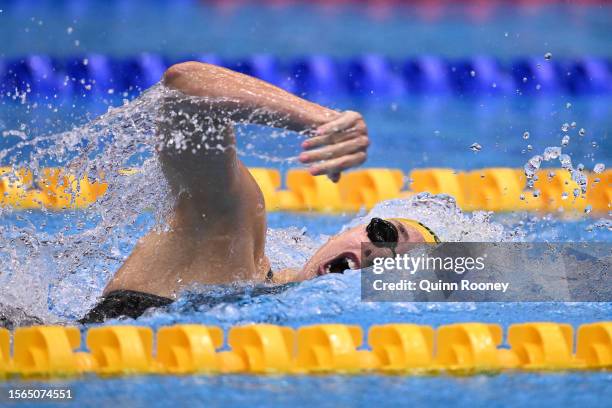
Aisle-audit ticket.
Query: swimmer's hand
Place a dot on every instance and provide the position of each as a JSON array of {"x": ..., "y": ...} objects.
[{"x": 337, "y": 145}]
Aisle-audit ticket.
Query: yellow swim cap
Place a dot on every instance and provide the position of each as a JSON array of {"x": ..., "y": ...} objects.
[{"x": 427, "y": 234}]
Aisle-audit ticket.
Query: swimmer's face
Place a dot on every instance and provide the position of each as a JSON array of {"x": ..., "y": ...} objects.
[{"x": 343, "y": 251}]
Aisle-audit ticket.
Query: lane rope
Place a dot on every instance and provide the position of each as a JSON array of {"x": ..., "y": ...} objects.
[
  {"x": 488, "y": 189},
  {"x": 318, "y": 77},
  {"x": 399, "y": 348}
]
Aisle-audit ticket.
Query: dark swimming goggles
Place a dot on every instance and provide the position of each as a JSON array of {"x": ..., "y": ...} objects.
[{"x": 383, "y": 233}]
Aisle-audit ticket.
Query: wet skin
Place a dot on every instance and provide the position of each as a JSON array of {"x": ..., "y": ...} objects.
[{"x": 217, "y": 228}]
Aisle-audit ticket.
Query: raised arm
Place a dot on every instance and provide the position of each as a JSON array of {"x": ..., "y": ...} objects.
[
  {"x": 338, "y": 139},
  {"x": 217, "y": 228}
]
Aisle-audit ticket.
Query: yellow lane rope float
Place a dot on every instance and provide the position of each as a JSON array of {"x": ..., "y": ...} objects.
[
  {"x": 398, "y": 348},
  {"x": 489, "y": 189}
]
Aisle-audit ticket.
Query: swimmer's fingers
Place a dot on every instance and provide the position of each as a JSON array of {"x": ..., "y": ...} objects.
[
  {"x": 329, "y": 139},
  {"x": 333, "y": 151},
  {"x": 345, "y": 121},
  {"x": 335, "y": 166},
  {"x": 347, "y": 125}
]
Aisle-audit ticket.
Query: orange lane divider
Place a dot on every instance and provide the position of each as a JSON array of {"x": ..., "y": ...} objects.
[
  {"x": 400, "y": 347},
  {"x": 188, "y": 348},
  {"x": 496, "y": 189},
  {"x": 121, "y": 349},
  {"x": 471, "y": 346},
  {"x": 365, "y": 188},
  {"x": 49, "y": 350},
  {"x": 490, "y": 189},
  {"x": 439, "y": 181},
  {"x": 599, "y": 192},
  {"x": 261, "y": 348},
  {"x": 595, "y": 344},
  {"x": 332, "y": 348},
  {"x": 5, "y": 356},
  {"x": 541, "y": 346},
  {"x": 461, "y": 348},
  {"x": 54, "y": 189}
]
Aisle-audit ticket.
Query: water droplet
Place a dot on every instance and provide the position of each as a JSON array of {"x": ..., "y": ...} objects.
[
  {"x": 548, "y": 56},
  {"x": 526, "y": 135},
  {"x": 566, "y": 161},
  {"x": 565, "y": 141},
  {"x": 582, "y": 132},
  {"x": 472, "y": 73},
  {"x": 588, "y": 209},
  {"x": 69, "y": 30},
  {"x": 599, "y": 168},
  {"x": 524, "y": 79},
  {"x": 565, "y": 127},
  {"x": 529, "y": 147},
  {"x": 576, "y": 192},
  {"x": 522, "y": 196},
  {"x": 580, "y": 167},
  {"x": 475, "y": 147},
  {"x": 551, "y": 175},
  {"x": 532, "y": 166},
  {"x": 573, "y": 125},
  {"x": 564, "y": 196},
  {"x": 580, "y": 178},
  {"x": 568, "y": 105},
  {"x": 536, "y": 193},
  {"x": 551, "y": 153}
]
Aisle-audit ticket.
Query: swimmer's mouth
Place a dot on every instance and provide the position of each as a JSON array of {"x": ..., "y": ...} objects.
[{"x": 340, "y": 264}]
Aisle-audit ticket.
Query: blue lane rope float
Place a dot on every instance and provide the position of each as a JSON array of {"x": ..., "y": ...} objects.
[
  {"x": 398, "y": 348},
  {"x": 318, "y": 76}
]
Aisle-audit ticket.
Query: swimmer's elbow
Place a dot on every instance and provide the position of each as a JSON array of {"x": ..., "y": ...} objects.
[{"x": 185, "y": 76}]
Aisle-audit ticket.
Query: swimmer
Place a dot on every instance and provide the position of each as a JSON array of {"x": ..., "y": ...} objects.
[{"x": 217, "y": 228}]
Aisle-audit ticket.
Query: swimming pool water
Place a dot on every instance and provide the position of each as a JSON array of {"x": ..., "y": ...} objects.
[
  {"x": 525, "y": 390},
  {"x": 174, "y": 29},
  {"x": 406, "y": 132}
]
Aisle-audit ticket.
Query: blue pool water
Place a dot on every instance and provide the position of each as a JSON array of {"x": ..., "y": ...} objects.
[
  {"x": 406, "y": 133},
  {"x": 125, "y": 28},
  {"x": 525, "y": 390}
]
